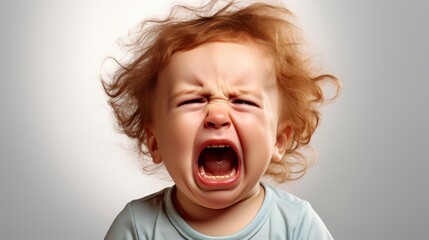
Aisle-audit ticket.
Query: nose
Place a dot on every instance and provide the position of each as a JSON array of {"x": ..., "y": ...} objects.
[{"x": 217, "y": 117}]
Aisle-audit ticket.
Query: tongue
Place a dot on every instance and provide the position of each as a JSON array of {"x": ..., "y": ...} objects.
[{"x": 218, "y": 162}]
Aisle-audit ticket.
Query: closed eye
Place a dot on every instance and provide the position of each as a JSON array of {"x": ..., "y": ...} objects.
[
  {"x": 244, "y": 102},
  {"x": 192, "y": 101}
]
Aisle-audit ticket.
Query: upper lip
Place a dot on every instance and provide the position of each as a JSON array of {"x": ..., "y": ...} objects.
[{"x": 217, "y": 142}]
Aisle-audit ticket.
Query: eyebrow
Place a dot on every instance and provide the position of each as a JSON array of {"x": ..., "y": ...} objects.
[
  {"x": 240, "y": 92},
  {"x": 196, "y": 86},
  {"x": 186, "y": 91}
]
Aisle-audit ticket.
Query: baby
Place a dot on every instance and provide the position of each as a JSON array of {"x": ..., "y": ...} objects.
[{"x": 222, "y": 96}]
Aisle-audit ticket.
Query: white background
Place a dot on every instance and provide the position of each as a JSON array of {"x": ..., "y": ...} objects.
[{"x": 65, "y": 173}]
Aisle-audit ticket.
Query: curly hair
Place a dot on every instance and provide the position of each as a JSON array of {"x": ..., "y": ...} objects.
[{"x": 132, "y": 87}]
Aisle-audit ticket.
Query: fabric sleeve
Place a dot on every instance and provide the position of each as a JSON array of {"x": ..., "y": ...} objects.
[
  {"x": 123, "y": 227},
  {"x": 310, "y": 226}
]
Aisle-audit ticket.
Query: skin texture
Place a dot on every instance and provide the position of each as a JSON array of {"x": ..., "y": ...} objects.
[{"x": 218, "y": 93}]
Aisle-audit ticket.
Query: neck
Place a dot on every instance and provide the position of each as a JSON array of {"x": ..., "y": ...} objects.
[{"x": 223, "y": 221}]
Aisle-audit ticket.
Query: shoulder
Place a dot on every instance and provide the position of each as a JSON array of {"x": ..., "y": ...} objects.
[
  {"x": 300, "y": 218},
  {"x": 149, "y": 204},
  {"x": 141, "y": 211},
  {"x": 286, "y": 201}
]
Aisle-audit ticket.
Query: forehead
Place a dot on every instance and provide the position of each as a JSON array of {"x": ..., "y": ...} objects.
[{"x": 237, "y": 63}]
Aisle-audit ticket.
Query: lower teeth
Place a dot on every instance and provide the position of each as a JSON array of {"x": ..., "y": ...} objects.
[{"x": 218, "y": 178}]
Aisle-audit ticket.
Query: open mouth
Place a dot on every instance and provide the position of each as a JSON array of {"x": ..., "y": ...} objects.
[{"x": 218, "y": 164}]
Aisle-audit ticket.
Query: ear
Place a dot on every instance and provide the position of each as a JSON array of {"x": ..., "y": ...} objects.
[
  {"x": 284, "y": 135},
  {"x": 152, "y": 145}
]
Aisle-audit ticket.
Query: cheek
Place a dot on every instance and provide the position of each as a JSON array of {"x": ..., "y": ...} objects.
[
  {"x": 177, "y": 135},
  {"x": 257, "y": 133}
]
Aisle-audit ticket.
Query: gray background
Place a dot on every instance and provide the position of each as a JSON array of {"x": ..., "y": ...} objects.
[{"x": 65, "y": 173}]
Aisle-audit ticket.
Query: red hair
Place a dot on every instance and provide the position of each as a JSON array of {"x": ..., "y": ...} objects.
[{"x": 132, "y": 87}]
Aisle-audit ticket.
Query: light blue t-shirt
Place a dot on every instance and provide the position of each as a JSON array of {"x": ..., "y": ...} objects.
[{"x": 282, "y": 216}]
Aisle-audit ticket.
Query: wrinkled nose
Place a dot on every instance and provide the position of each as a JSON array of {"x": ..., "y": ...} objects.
[{"x": 217, "y": 117}]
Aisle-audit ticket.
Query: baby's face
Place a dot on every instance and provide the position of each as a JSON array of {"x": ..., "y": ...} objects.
[{"x": 216, "y": 122}]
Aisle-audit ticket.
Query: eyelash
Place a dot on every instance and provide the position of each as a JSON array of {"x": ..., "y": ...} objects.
[
  {"x": 244, "y": 102},
  {"x": 203, "y": 100},
  {"x": 192, "y": 101}
]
